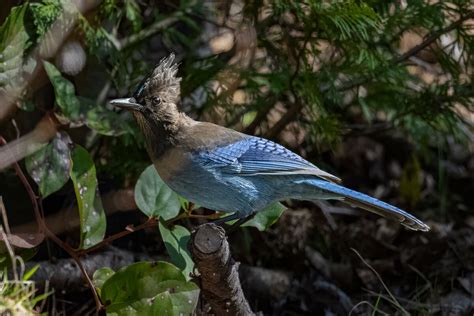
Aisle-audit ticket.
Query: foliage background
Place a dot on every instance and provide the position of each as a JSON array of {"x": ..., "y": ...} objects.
[{"x": 377, "y": 92}]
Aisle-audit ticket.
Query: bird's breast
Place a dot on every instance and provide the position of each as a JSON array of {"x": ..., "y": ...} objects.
[{"x": 171, "y": 164}]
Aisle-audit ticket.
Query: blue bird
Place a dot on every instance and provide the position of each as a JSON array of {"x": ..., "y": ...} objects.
[{"x": 224, "y": 170}]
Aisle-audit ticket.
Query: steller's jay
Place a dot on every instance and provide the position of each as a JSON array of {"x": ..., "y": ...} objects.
[{"x": 224, "y": 170}]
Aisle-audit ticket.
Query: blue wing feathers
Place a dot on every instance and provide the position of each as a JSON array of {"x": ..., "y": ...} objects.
[{"x": 254, "y": 155}]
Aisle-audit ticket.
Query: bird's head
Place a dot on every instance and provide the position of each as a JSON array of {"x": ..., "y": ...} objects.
[{"x": 157, "y": 93}]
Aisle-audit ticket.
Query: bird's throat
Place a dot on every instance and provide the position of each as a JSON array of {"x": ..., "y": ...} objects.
[{"x": 161, "y": 132}]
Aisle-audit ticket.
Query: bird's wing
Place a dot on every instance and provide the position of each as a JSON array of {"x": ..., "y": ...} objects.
[{"x": 257, "y": 156}]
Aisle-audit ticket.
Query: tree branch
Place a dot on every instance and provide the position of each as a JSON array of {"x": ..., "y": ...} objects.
[
  {"x": 219, "y": 277},
  {"x": 431, "y": 38},
  {"x": 149, "y": 31}
]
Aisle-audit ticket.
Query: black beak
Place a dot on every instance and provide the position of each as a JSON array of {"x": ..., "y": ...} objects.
[{"x": 129, "y": 104}]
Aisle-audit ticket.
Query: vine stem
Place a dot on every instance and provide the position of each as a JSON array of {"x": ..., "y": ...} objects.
[
  {"x": 43, "y": 228},
  {"x": 77, "y": 253},
  {"x": 130, "y": 229},
  {"x": 151, "y": 222}
]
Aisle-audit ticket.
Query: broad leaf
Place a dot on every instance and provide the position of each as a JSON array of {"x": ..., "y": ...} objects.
[
  {"x": 14, "y": 40},
  {"x": 149, "y": 288},
  {"x": 154, "y": 197},
  {"x": 83, "y": 110},
  {"x": 176, "y": 243},
  {"x": 91, "y": 212},
  {"x": 266, "y": 217},
  {"x": 50, "y": 166},
  {"x": 13, "y": 32},
  {"x": 65, "y": 93}
]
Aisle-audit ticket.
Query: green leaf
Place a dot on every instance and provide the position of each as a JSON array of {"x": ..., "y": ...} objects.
[
  {"x": 132, "y": 13},
  {"x": 28, "y": 274},
  {"x": 65, "y": 93},
  {"x": 50, "y": 166},
  {"x": 101, "y": 275},
  {"x": 266, "y": 217},
  {"x": 13, "y": 29},
  {"x": 149, "y": 288},
  {"x": 83, "y": 110},
  {"x": 103, "y": 121},
  {"x": 14, "y": 40},
  {"x": 91, "y": 212},
  {"x": 176, "y": 243},
  {"x": 154, "y": 197},
  {"x": 45, "y": 13}
]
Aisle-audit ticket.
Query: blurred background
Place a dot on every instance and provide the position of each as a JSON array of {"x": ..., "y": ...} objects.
[{"x": 379, "y": 93}]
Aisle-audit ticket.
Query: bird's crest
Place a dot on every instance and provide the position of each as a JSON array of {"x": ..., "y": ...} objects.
[{"x": 162, "y": 81}]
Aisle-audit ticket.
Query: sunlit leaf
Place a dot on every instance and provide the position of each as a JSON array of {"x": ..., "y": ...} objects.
[
  {"x": 14, "y": 40},
  {"x": 176, "y": 242},
  {"x": 154, "y": 197},
  {"x": 149, "y": 288},
  {"x": 12, "y": 32},
  {"x": 91, "y": 212},
  {"x": 65, "y": 93},
  {"x": 83, "y": 110},
  {"x": 50, "y": 166}
]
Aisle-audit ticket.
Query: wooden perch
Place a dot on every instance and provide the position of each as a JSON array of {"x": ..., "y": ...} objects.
[{"x": 219, "y": 277}]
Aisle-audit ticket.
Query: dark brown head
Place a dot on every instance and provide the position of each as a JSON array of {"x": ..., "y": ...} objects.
[
  {"x": 154, "y": 105},
  {"x": 157, "y": 94}
]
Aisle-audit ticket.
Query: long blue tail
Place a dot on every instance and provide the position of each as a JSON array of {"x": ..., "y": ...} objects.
[{"x": 369, "y": 203}]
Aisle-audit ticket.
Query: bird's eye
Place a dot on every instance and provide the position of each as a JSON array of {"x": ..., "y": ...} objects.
[{"x": 156, "y": 100}]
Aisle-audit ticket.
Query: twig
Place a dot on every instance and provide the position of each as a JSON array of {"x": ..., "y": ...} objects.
[
  {"x": 149, "y": 31},
  {"x": 29, "y": 143},
  {"x": 433, "y": 37},
  {"x": 297, "y": 106},
  {"x": 200, "y": 17},
  {"x": 219, "y": 277},
  {"x": 151, "y": 222},
  {"x": 287, "y": 118}
]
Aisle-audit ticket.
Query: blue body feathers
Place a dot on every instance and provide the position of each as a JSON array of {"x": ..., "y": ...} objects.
[
  {"x": 247, "y": 175},
  {"x": 225, "y": 170}
]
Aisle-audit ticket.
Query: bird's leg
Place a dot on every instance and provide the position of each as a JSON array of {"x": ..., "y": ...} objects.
[
  {"x": 222, "y": 220},
  {"x": 240, "y": 221}
]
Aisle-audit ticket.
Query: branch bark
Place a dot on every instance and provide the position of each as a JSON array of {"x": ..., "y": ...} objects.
[{"x": 219, "y": 277}]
